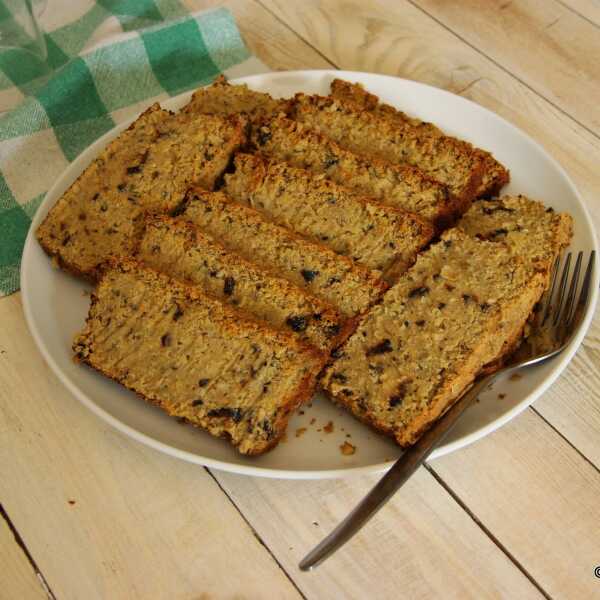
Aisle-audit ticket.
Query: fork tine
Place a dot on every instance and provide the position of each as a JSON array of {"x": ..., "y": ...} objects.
[
  {"x": 561, "y": 289},
  {"x": 550, "y": 291},
  {"x": 585, "y": 287},
  {"x": 570, "y": 301}
]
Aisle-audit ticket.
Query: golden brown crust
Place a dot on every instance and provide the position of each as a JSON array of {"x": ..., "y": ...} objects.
[
  {"x": 222, "y": 98},
  {"x": 448, "y": 160},
  {"x": 348, "y": 286},
  {"x": 179, "y": 249},
  {"x": 289, "y": 365},
  {"x": 421, "y": 347},
  {"x": 147, "y": 168},
  {"x": 378, "y": 236},
  {"x": 401, "y": 186},
  {"x": 495, "y": 175}
]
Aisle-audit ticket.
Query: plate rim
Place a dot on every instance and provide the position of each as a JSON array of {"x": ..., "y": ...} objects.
[{"x": 268, "y": 472}]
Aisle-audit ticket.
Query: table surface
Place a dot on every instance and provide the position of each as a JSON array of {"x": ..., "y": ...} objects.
[{"x": 87, "y": 513}]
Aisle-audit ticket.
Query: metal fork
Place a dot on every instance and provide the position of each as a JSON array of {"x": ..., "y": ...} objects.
[{"x": 556, "y": 321}]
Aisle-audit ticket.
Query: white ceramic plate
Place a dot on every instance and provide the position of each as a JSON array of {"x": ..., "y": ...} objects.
[{"x": 56, "y": 304}]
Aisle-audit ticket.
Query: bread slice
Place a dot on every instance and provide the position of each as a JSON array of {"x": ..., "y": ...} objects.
[
  {"x": 195, "y": 357},
  {"x": 180, "y": 250},
  {"x": 221, "y": 98},
  {"x": 351, "y": 289},
  {"x": 495, "y": 175},
  {"x": 398, "y": 185},
  {"x": 536, "y": 234},
  {"x": 417, "y": 351},
  {"x": 377, "y": 236},
  {"x": 531, "y": 230},
  {"x": 148, "y": 167},
  {"x": 449, "y": 161}
]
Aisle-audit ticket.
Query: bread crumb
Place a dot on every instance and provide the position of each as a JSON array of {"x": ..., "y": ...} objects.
[
  {"x": 329, "y": 427},
  {"x": 347, "y": 449},
  {"x": 348, "y": 435},
  {"x": 515, "y": 377},
  {"x": 300, "y": 431},
  {"x": 301, "y": 412},
  {"x": 501, "y": 396},
  {"x": 313, "y": 421},
  {"x": 71, "y": 502}
]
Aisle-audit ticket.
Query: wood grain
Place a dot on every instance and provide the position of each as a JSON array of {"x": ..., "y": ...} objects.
[
  {"x": 588, "y": 9},
  {"x": 17, "y": 577},
  {"x": 145, "y": 525},
  {"x": 399, "y": 39},
  {"x": 421, "y": 545},
  {"x": 266, "y": 37},
  {"x": 572, "y": 405},
  {"x": 539, "y": 499},
  {"x": 561, "y": 61},
  {"x": 103, "y": 516}
]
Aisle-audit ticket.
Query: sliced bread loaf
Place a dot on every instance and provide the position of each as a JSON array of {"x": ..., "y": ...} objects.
[
  {"x": 535, "y": 233},
  {"x": 450, "y": 161},
  {"x": 148, "y": 167},
  {"x": 456, "y": 310},
  {"x": 180, "y": 250},
  {"x": 377, "y": 236},
  {"x": 195, "y": 357},
  {"x": 495, "y": 175},
  {"x": 334, "y": 278},
  {"x": 221, "y": 98},
  {"x": 398, "y": 185}
]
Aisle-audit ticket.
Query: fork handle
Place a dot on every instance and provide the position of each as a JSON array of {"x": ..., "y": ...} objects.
[{"x": 412, "y": 458}]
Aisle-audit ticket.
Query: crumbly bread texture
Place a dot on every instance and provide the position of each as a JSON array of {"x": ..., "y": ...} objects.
[
  {"x": 221, "y": 98},
  {"x": 401, "y": 186},
  {"x": 417, "y": 351},
  {"x": 532, "y": 231},
  {"x": 195, "y": 357},
  {"x": 495, "y": 175},
  {"x": 378, "y": 236},
  {"x": 180, "y": 250},
  {"x": 350, "y": 288},
  {"x": 147, "y": 168},
  {"x": 449, "y": 161}
]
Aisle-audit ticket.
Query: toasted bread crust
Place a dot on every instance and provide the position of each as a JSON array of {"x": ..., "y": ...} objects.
[
  {"x": 177, "y": 316},
  {"x": 347, "y": 286},
  {"x": 450, "y": 161},
  {"x": 495, "y": 175},
  {"x": 147, "y": 168},
  {"x": 182, "y": 251},
  {"x": 387, "y": 373},
  {"x": 221, "y": 98},
  {"x": 401, "y": 186},
  {"x": 378, "y": 236}
]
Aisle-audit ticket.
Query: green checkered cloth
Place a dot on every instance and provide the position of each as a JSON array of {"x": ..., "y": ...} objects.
[{"x": 105, "y": 64}]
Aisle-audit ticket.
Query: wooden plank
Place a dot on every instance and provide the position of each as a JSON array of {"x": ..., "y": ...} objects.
[
  {"x": 399, "y": 39},
  {"x": 17, "y": 577},
  {"x": 265, "y": 36},
  {"x": 421, "y": 545},
  {"x": 588, "y": 9},
  {"x": 572, "y": 405},
  {"x": 538, "y": 498},
  {"x": 542, "y": 42},
  {"x": 103, "y": 516}
]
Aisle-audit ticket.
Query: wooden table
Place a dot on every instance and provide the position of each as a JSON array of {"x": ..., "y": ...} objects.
[{"x": 90, "y": 514}]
